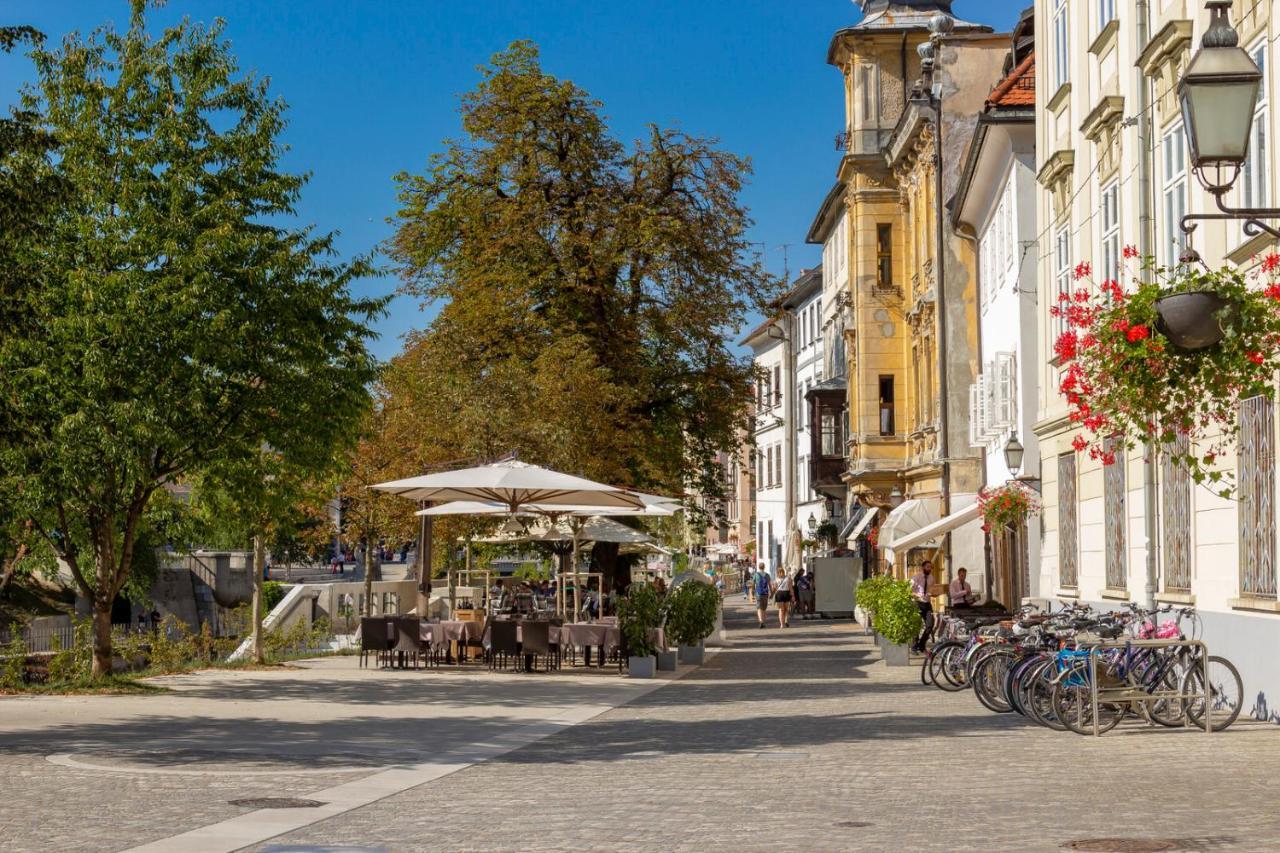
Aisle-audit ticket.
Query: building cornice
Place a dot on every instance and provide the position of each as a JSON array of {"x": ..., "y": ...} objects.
[
  {"x": 1107, "y": 112},
  {"x": 1171, "y": 38}
]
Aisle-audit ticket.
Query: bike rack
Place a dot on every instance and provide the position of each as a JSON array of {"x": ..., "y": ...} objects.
[{"x": 1137, "y": 694}]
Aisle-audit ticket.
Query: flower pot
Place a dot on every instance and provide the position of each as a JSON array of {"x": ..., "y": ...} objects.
[
  {"x": 667, "y": 660},
  {"x": 642, "y": 667},
  {"x": 1190, "y": 320},
  {"x": 894, "y": 654},
  {"x": 692, "y": 655}
]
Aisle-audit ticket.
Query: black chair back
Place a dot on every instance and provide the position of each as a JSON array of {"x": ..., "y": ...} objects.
[
  {"x": 536, "y": 638},
  {"x": 373, "y": 634},
  {"x": 502, "y": 637}
]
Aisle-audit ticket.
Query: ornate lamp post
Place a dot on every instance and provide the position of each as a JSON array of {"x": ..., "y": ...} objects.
[
  {"x": 1219, "y": 93},
  {"x": 1013, "y": 451}
]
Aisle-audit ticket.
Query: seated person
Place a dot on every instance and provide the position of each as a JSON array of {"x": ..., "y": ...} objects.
[{"x": 960, "y": 591}]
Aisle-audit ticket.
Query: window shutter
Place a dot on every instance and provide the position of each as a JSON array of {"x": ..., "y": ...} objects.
[
  {"x": 1006, "y": 379},
  {"x": 975, "y": 425}
]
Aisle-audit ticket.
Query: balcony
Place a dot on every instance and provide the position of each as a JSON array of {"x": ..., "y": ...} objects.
[
  {"x": 863, "y": 141},
  {"x": 828, "y": 416}
]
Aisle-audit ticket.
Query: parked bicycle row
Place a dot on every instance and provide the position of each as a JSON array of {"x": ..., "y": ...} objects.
[{"x": 1085, "y": 670}]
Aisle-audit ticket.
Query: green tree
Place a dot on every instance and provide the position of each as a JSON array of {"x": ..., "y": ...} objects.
[
  {"x": 178, "y": 322},
  {"x": 587, "y": 289}
]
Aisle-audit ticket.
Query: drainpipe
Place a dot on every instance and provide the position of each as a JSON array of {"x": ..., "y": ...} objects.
[
  {"x": 1146, "y": 244},
  {"x": 944, "y": 420}
]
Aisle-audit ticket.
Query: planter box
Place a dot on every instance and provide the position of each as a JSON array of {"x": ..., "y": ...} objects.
[
  {"x": 894, "y": 654},
  {"x": 667, "y": 660},
  {"x": 692, "y": 655},
  {"x": 644, "y": 667}
]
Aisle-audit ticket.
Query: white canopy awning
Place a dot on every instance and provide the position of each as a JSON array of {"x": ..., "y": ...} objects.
[
  {"x": 931, "y": 533},
  {"x": 515, "y": 484},
  {"x": 907, "y": 517},
  {"x": 864, "y": 521}
]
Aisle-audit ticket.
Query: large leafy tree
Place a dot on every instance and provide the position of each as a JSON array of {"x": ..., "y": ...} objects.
[
  {"x": 175, "y": 321},
  {"x": 587, "y": 289}
]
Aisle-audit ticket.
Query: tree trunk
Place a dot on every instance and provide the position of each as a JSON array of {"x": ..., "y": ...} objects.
[
  {"x": 102, "y": 653},
  {"x": 259, "y": 566},
  {"x": 616, "y": 571},
  {"x": 368, "y": 580}
]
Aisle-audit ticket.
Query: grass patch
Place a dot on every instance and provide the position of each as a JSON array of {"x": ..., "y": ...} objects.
[{"x": 112, "y": 685}]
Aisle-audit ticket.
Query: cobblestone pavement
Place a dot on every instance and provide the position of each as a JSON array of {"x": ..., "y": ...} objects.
[
  {"x": 801, "y": 739},
  {"x": 796, "y": 739}
]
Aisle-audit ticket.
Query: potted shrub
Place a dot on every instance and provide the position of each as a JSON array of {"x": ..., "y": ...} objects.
[
  {"x": 691, "y": 610},
  {"x": 639, "y": 615},
  {"x": 867, "y": 593},
  {"x": 1168, "y": 360},
  {"x": 894, "y": 614}
]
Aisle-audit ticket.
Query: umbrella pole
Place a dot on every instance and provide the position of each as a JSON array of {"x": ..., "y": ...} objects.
[{"x": 577, "y": 592}]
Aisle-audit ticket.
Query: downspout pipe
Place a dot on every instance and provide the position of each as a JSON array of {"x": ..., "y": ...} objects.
[{"x": 1146, "y": 245}]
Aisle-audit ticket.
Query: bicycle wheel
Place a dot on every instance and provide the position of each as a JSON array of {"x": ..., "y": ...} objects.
[
  {"x": 926, "y": 674},
  {"x": 1073, "y": 702},
  {"x": 1039, "y": 700},
  {"x": 941, "y": 668},
  {"x": 1226, "y": 693},
  {"x": 988, "y": 680},
  {"x": 1169, "y": 711},
  {"x": 1013, "y": 682}
]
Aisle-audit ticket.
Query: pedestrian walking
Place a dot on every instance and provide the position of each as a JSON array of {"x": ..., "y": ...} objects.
[
  {"x": 746, "y": 583},
  {"x": 804, "y": 595},
  {"x": 763, "y": 588},
  {"x": 782, "y": 594},
  {"x": 920, "y": 593}
]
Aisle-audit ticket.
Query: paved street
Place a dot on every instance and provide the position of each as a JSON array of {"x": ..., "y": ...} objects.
[{"x": 796, "y": 739}]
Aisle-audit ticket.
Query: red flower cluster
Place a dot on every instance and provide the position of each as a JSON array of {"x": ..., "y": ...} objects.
[
  {"x": 1138, "y": 333},
  {"x": 1129, "y": 252},
  {"x": 1271, "y": 263},
  {"x": 1083, "y": 270}
]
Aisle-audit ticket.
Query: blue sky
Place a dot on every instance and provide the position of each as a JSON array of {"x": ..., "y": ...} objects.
[{"x": 372, "y": 88}]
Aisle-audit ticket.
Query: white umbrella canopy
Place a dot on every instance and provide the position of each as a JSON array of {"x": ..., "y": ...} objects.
[
  {"x": 792, "y": 556},
  {"x": 514, "y": 484},
  {"x": 593, "y": 529},
  {"x": 653, "y": 507}
]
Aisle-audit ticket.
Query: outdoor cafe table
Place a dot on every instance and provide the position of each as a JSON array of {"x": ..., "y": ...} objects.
[{"x": 452, "y": 631}]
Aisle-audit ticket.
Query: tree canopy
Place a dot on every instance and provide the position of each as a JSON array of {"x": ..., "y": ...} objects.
[
  {"x": 586, "y": 290},
  {"x": 173, "y": 320}
]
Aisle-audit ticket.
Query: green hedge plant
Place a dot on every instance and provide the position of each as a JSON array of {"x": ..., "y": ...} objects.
[
  {"x": 691, "y": 610},
  {"x": 639, "y": 615}
]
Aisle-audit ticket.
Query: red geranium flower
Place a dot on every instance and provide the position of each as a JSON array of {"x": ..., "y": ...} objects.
[
  {"x": 1129, "y": 251},
  {"x": 1066, "y": 345},
  {"x": 1079, "y": 443},
  {"x": 1270, "y": 263},
  {"x": 1121, "y": 325},
  {"x": 1082, "y": 270},
  {"x": 1255, "y": 356},
  {"x": 1138, "y": 333}
]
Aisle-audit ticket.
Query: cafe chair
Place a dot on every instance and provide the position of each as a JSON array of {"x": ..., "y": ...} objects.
[
  {"x": 537, "y": 642},
  {"x": 503, "y": 642},
  {"x": 373, "y": 638}
]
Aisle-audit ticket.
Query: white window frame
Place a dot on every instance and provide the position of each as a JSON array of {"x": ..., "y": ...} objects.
[
  {"x": 1111, "y": 251},
  {"x": 1255, "y": 174},
  {"x": 1106, "y": 13},
  {"x": 1061, "y": 280},
  {"x": 1173, "y": 192},
  {"x": 1061, "y": 44}
]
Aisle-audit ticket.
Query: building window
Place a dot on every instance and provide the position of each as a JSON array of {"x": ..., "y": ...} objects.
[
  {"x": 1115, "y": 519},
  {"x": 1111, "y": 232},
  {"x": 886, "y": 405},
  {"x": 1061, "y": 44},
  {"x": 768, "y": 469},
  {"x": 777, "y": 385},
  {"x": 884, "y": 255},
  {"x": 926, "y": 379},
  {"x": 1106, "y": 12},
  {"x": 1257, "y": 496},
  {"x": 1068, "y": 537},
  {"x": 1175, "y": 511},
  {"x": 1061, "y": 279},
  {"x": 1174, "y": 193},
  {"x": 778, "y": 464},
  {"x": 1254, "y": 174}
]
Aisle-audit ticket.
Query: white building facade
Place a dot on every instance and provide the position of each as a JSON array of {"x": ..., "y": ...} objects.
[
  {"x": 772, "y": 447},
  {"x": 1113, "y": 170},
  {"x": 803, "y": 307},
  {"x": 996, "y": 207}
]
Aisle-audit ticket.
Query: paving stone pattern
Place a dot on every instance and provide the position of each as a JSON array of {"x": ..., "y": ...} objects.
[{"x": 801, "y": 739}]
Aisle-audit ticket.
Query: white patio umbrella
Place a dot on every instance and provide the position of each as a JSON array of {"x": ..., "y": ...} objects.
[
  {"x": 515, "y": 484},
  {"x": 791, "y": 556}
]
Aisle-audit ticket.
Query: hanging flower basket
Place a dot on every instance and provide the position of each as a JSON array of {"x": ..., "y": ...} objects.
[
  {"x": 1006, "y": 506},
  {"x": 1191, "y": 321},
  {"x": 1168, "y": 358}
]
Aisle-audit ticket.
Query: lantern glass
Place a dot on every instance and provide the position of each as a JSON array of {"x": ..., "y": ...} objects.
[
  {"x": 1218, "y": 95},
  {"x": 1013, "y": 452}
]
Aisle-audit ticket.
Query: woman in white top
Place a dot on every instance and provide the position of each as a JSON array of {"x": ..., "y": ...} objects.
[{"x": 782, "y": 594}]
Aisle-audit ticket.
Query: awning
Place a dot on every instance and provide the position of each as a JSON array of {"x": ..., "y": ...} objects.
[
  {"x": 855, "y": 519},
  {"x": 930, "y": 533},
  {"x": 864, "y": 521},
  {"x": 907, "y": 517}
]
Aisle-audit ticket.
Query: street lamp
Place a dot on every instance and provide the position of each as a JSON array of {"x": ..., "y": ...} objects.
[
  {"x": 895, "y": 497},
  {"x": 1219, "y": 93},
  {"x": 812, "y": 523},
  {"x": 1013, "y": 451}
]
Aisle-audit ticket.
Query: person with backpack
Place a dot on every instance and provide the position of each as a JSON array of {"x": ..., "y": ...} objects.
[{"x": 763, "y": 588}]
